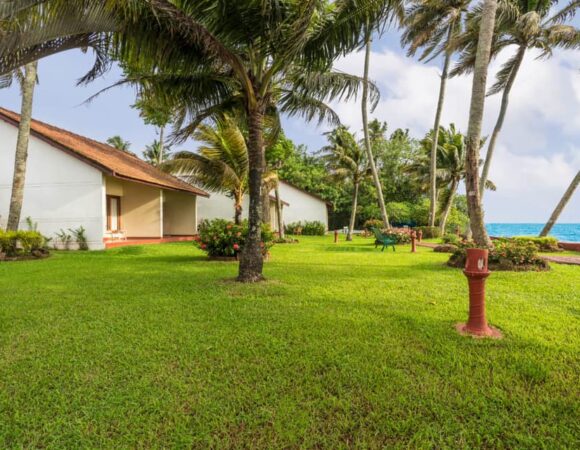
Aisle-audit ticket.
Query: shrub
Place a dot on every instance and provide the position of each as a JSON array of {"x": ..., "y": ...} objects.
[
  {"x": 430, "y": 232},
  {"x": 79, "y": 234},
  {"x": 506, "y": 255},
  {"x": 373, "y": 223},
  {"x": 314, "y": 228},
  {"x": 452, "y": 239},
  {"x": 543, "y": 244},
  {"x": 400, "y": 212},
  {"x": 220, "y": 237},
  {"x": 400, "y": 237},
  {"x": 16, "y": 243}
]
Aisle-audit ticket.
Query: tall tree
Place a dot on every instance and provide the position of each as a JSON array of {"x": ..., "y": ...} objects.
[
  {"x": 367, "y": 140},
  {"x": 477, "y": 107},
  {"x": 346, "y": 161},
  {"x": 525, "y": 25},
  {"x": 561, "y": 205},
  {"x": 119, "y": 143},
  {"x": 433, "y": 25},
  {"x": 21, "y": 156},
  {"x": 156, "y": 153}
]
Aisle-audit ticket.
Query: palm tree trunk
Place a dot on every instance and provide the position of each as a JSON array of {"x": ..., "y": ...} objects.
[
  {"x": 501, "y": 118},
  {"x": 441, "y": 101},
  {"x": 21, "y": 155},
  {"x": 251, "y": 258},
  {"x": 448, "y": 205},
  {"x": 161, "y": 136},
  {"x": 365, "y": 119},
  {"x": 279, "y": 213},
  {"x": 238, "y": 209},
  {"x": 353, "y": 212},
  {"x": 561, "y": 205},
  {"x": 477, "y": 107},
  {"x": 266, "y": 216}
]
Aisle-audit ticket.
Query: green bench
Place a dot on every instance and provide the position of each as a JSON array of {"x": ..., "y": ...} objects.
[{"x": 380, "y": 238}]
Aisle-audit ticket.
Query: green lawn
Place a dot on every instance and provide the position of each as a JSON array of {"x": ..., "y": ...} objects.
[{"x": 344, "y": 346}]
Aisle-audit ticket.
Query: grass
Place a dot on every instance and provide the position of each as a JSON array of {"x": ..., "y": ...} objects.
[{"x": 344, "y": 346}]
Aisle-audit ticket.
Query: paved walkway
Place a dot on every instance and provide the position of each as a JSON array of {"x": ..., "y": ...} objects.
[{"x": 570, "y": 260}]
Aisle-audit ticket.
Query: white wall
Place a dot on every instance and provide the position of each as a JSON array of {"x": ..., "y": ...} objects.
[
  {"x": 302, "y": 206},
  {"x": 179, "y": 213},
  {"x": 60, "y": 191}
]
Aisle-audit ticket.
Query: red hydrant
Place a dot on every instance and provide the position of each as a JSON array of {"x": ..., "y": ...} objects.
[
  {"x": 336, "y": 236},
  {"x": 477, "y": 272},
  {"x": 413, "y": 238},
  {"x": 420, "y": 235}
]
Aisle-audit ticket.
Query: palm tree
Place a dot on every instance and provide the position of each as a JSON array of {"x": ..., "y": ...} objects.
[
  {"x": 433, "y": 25},
  {"x": 526, "y": 25},
  {"x": 561, "y": 205},
  {"x": 221, "y": 163},
  {"x": 346, "y": 161},
  {"x": 27, "y": 84},
  {"x": 367, "y": 140},
  {"x": 156, "y": 153},
  {"x": 119, "y": 143},
  {"x": 279, "y": 54},
  {"x": 474, "y": 205}
]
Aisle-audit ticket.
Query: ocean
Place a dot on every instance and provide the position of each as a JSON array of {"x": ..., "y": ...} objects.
[{"x": 565, "y": 232}]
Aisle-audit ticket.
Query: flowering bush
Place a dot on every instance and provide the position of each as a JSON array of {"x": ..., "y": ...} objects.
[
  {"x": 506, "y": 255},
  {"x": 220, "y": 237},
  {"x": 399, "y": 236},
  {"x": 373, "y": 223}
]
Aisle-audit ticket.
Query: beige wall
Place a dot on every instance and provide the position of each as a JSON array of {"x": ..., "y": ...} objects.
[
  {"x": 140, "y": 207},
  {"x": 179, "y": 214}
]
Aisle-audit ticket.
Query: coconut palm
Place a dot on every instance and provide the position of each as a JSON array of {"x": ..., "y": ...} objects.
[
  {"x": 28, "y": 81},
  {"x": 346, "y": 160},
  {"x": 483, "y": 53},
  {"x": 367, "y": 139},
  {"x": 156, "y": 153},
  {"x": 221, "y": 163},
  {"x": 119, "y": 143},
  {"x": 561, "y": 205},
  {"x": 433, "y": 25},
  {"x": 527, "y": 25}
]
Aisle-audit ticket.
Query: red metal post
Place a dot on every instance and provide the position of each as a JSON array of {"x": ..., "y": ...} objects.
[
  {"x": 336, "y": 236},
  {"x": 413, "y": 239},
  {"x": 476, "y": 271}
]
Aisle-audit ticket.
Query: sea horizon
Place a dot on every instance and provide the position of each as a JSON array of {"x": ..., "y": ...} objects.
[{"x": 565, "y": 232}]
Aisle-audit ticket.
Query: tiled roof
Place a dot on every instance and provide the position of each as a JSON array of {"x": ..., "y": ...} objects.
[{"x": 110, "y": 160}]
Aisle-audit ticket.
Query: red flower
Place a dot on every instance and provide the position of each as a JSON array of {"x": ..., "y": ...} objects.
[
  {"x": 203, "y": 246},
  {"x": 229, "y": 226},
  {"x": 236, "y": 247},
  {"x": 238, "y": 234}
]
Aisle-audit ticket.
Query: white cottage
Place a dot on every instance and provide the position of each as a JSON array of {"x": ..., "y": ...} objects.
[
  {"x": 73, "y": 181},
  {"x": 298, "y": 205}
]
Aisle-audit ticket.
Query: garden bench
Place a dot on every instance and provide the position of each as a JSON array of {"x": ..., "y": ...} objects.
[{"x": 380, "y": 238}]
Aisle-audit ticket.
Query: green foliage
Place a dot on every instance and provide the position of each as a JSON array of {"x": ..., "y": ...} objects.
[
  {"x": 221, "y": 238},
  {"x": 543, "y": 244},
  {"x": 306, "y": 228},
  {"x": 451, "y": 239},
  {"x": 16, "y": 243},
  {"x": 517, "y": 252},
  {"x": 64, "y": 238},
  {"x": 400, "y": 237},
  {"x": 373, "y": 223},
  {"x": 80, "y": 236},
  {"x": 430, "y": 232},
  {"x": 400, "y": 213}
]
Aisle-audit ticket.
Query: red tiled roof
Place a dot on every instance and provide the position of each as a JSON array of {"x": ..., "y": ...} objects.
[{"x": 110, "y": 160}]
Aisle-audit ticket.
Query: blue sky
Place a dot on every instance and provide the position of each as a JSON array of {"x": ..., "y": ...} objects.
[{"x": 537, "y": 155}]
